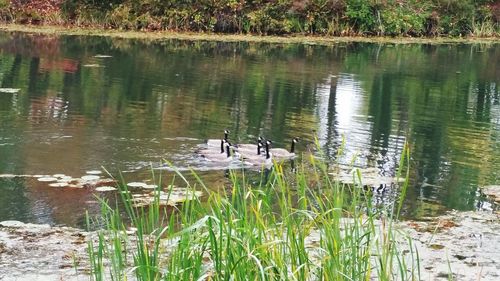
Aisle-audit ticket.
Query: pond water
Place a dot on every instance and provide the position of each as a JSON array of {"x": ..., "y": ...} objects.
[{"x": 90, "y": 102}]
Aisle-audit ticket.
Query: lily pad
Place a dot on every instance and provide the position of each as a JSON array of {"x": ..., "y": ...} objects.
[
  {"x": 7, "y": 176},
  {"x": 92, "y": 65},
  {"x": 150, "y": 186},
  {"x": 106, "y": 181},
  {"x": 103, "y": 56},
  {"x": 93, "y": 172},
  {"x": 136, "y": 184},
  {"x": 90, "y": 178},
  {"x": 105, "y": 188},
  {"x": 9, "y": 90},
  {"x": 66, "y": 179},
  {"x": 59, "y": 175},
  {"x": 47, "y": 179},
  {"x": 172, "y": 198},
  {"x": 59, "y": 184},
  {"x": 369, "y": 177}
]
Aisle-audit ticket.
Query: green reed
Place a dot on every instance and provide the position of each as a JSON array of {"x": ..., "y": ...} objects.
[{"x": 293, "y": 226}]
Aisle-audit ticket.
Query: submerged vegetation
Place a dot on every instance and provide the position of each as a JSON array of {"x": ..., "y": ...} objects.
[
  {"x": 318, "y": 17},
  {"x": 287, "y": 226}
]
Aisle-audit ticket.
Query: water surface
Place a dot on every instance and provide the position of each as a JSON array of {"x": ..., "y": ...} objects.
[{"x": 91, "y": 102}]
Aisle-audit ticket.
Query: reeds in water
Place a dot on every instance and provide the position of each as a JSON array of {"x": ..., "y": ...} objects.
[{"x": 293, "y": 226}]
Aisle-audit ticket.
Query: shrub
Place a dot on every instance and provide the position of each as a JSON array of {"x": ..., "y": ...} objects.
[
  {"x": 403, "y": 18},
  {"x": 456, "y": 16},
  {"x": 361, "y": 15},
  {"x": 121, "y": 17},
  {"x": 495, "y": 12}
]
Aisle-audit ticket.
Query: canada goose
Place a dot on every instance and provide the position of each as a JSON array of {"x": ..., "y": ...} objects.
[
  {"x": 281, "y": 153},
  {"x": 212, "y": 150},
  {"x": 217, "y": 142},
  {"x": 251, "y": 147},
  {"x": 217, "y": 157},
  {"x": 258, "y": 160},
  {"x": 251, "y": 150}
]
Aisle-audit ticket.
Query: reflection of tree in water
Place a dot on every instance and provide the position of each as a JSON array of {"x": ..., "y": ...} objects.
[
  {"x": 445, "y": 96},
  {"x": 14, "y": 205}
]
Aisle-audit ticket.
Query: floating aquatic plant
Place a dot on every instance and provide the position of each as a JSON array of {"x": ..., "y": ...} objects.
[
  {"x": 47, "y": 179},
  {"x": 105, "y": 188},
  {"x": 59, "y": 184},
  {"x": 92, "y": 65},
  {"x": 137, "y": 184},
  {"x": 172, "y": 197},
  {"x": 90, "y": 178}
]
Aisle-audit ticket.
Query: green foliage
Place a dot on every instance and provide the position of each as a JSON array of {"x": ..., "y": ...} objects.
[
  {"x": 326, "y": 17},
  {"x": 361, "y": 15},
  {"x": 4, "y": 4},
  {"x": 456, "y": 16},
  {"x": 404, "y": 19},
  {"x": 5, "y": 13},
  {"x": 121, "y": 17}
]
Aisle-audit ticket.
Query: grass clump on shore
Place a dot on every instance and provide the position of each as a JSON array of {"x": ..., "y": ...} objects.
[{"x": 288, "y": 226}]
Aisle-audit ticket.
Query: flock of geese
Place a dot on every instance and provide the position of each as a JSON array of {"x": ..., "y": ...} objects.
[{"x": 258, "y": 154}]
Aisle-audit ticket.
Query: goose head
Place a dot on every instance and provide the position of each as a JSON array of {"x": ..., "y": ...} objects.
[
  {"x": 294, "y": 141},
  {"x": 259, "y": 147}
]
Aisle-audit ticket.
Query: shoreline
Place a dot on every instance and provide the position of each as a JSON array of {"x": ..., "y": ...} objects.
[
  {"x": 458, "y": 244},
  {"x": 295, "y": 39}
]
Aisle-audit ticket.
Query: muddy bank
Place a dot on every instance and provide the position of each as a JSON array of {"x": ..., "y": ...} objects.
[
  {"x": 41, "y": 252},
  {"x": 193, "y": 36},
  {"x": 464, "y": 244}
]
